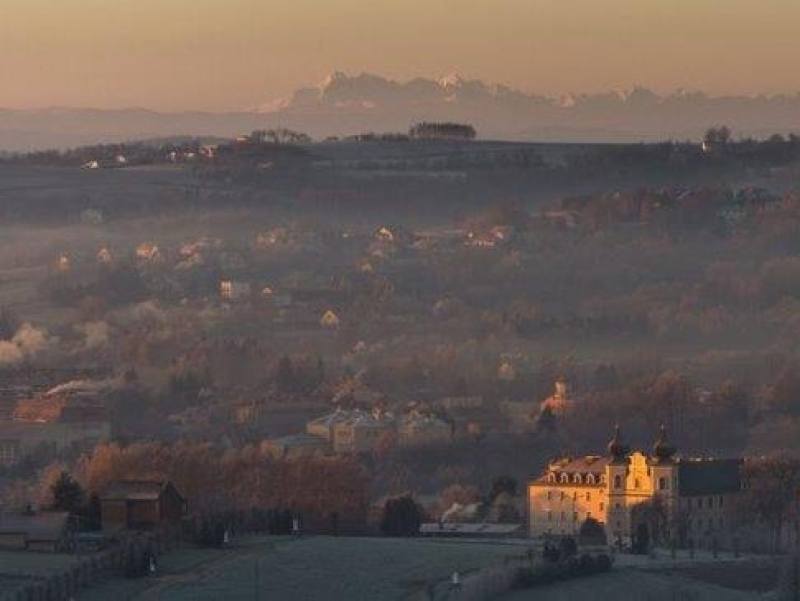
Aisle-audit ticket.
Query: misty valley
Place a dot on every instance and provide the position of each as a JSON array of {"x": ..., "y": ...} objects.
[{"x": 480, "y": 369}]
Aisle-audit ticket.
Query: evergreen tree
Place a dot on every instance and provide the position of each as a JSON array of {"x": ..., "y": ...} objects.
[
  {"x": 401, "y": 517},
  {"x": 67, "y": 494},
  {"x": 503, "y": 484},
  {"x": 320, "y": 375},
  {"x": 285, "y": 380},
  {"x": 546, "y": 422},
  {"x": 592, "y": 533}
]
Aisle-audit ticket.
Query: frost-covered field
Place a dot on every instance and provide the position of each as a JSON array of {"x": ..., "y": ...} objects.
[
  {"x": 635, "y": 585},
  {"x": 306, "y": 569},
  {"x": 19, "y": 567}
]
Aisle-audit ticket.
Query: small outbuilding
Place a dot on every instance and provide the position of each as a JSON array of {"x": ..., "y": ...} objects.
[
  {"x": 141, "y": 505},
  {"x": 35, "y": 531}
]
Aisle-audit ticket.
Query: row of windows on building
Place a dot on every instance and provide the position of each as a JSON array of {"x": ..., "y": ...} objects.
[
  {"x": 563, "y": 495},
  {"x": 577, "y": 478},
  {"x": 9, "y": 452},
  {"x": 563, "y": 515},
  {"x": 703, "y": 502},
  {"x": 699, "y": 524},
  {"x": 663, "y": 482},
  {"x": 591, "y": 479}
]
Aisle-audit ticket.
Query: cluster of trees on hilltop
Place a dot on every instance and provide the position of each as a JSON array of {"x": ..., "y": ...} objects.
[{"x": 428, "y": 130}]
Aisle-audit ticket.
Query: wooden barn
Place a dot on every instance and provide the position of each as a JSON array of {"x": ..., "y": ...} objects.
[{"x": 141, "y": 505}]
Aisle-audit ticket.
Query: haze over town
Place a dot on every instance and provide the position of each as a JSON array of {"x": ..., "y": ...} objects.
[{"x": 399, "y": 300}]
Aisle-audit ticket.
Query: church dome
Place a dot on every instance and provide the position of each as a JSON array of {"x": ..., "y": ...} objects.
[
  {"x": 662, "y": 449},
  {"x": 616, "y": 448}
]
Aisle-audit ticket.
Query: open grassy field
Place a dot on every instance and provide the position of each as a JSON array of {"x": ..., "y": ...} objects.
[
  {"x": 19, "y": 567},
  {"x": 34, "y": 563},
  {"x": 372, "y": 569},
  {"x": 376, "y": 569},
  {"x": 659, "y": 578},
  {"x": 634, "y": 585}
]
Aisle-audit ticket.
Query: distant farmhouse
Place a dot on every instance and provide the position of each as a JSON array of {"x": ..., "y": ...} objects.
[
  {"x": 48, "y": 531},
  {"x": 358, "y": 431},
  {"x": 559, "y": 402},
  {"x": 693, "y": 500},
  {"x": 65, "y": 417},
  {"x": 141, "y": 505}
]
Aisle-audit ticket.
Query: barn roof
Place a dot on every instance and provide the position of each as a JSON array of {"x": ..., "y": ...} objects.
[
  {"x": 136, "y": 490},
  {"x": 47, "y": 525}
]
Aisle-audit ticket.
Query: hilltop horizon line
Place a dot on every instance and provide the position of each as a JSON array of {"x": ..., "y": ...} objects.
[{"x": 344, "y": 104}]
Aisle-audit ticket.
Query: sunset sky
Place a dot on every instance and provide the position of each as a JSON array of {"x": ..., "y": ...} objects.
[{"x": 236, "y": 54}]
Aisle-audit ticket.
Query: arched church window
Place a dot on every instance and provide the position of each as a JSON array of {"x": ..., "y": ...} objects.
[{"x": 617, "y": 481}]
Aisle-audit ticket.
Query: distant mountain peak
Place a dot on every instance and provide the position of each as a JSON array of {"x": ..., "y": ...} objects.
[
  {"x": 451, "y": 80},
  {"x": 332, "y": 79}
]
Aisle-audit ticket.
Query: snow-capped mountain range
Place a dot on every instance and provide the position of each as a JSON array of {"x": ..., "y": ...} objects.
[{"x": 345, "y": 104}]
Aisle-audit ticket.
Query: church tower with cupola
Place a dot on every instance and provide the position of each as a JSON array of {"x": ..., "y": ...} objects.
[
  {"x": 617, "y": 471},
  {"x": 664, "y": 470}
]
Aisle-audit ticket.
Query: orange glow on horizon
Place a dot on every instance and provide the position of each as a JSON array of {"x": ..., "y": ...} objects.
[{"x": 232, "y": 55}]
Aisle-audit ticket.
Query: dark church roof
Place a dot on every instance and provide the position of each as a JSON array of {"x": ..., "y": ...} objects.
[{"x": 709, "y": 476}]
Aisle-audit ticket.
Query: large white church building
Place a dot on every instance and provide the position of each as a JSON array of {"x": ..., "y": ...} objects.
[{"x": 694, "y": 498}]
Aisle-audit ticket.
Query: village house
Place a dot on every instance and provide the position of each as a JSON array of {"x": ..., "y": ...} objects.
[
  {"x": 323, "y": 426},
  {"x": 495, "y": 236},
  {"x": 21, "y": 438},
  {"x": 247, "y": 412},
  {"x": 506, "y": 371},
  {"x": 329, "y": 320},
  {"x": 141, "y": 505},
  {"x": 559, "y": 402},
  {"x": 234, "y": 290},
  {"x": 48, "y": 531},
  {"x": 418, "y": 428},
  {"x": 357, "y": 431},
  {"x": 295, "y": 446},
  {"x": 148, "y": 252},
  {"x": 364, "y": 430},
  {"x": 104, "y": 256},
  {"x": 70, "y": 416},
  {"x": 694, "y": 498},
  {"x": 63, "y": 263}
]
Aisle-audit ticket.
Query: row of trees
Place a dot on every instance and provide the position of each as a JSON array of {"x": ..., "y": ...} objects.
[{"x": 217, "y": 480}]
